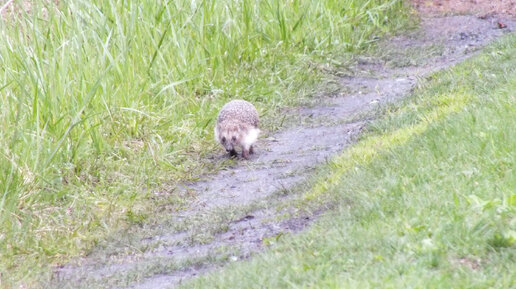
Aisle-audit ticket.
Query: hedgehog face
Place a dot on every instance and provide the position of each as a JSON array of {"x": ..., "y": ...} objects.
[{"x": 229, "y": 139}]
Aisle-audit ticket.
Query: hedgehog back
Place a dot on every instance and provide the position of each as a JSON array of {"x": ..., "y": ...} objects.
[{"x": 239, "y": 110}]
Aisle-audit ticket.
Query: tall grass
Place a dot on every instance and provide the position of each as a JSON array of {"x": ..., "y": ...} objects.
[{"x": 100, "y": 101}]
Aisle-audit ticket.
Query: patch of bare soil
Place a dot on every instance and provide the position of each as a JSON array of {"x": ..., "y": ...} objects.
[
  {"x": 479, "y": 7},
  {"x": 248, "y": 206},
  {"x": 13, "y": 9}
]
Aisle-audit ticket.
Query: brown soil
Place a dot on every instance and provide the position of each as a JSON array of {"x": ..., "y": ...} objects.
[
  {"x": 478, "y": 7},
  {"x": 14, "y": 9}
]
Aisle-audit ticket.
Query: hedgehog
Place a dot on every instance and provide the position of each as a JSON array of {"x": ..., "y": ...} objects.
[{"x": 237, "y": 125}]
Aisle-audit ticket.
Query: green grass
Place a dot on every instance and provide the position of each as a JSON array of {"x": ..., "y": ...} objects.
[
  {"x": 426, "y": 198},
  {"x": 103, "y": 103}
]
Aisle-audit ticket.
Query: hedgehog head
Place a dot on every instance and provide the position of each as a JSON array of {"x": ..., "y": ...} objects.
[{"x": 230, "y": 136}]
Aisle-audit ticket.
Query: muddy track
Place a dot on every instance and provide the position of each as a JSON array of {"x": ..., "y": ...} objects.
[{"x": 244, "y": 207}]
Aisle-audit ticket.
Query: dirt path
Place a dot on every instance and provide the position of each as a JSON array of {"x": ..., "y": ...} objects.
[
  {"x": 242, "y": 208},
  {"x": 477, "y": 7}
]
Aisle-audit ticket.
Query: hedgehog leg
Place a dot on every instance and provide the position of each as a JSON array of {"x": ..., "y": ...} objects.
[
  {"x": 251, "y": 150},
  {"x": 245, "y": 153}
]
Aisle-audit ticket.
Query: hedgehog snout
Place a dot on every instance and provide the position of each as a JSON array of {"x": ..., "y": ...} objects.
[{"x": 227, "y": 144}]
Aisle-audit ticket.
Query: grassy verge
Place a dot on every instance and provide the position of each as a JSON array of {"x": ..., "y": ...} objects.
[
  {"x": 102, "y": 103},
  {"x": 426, "y": 199}
]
